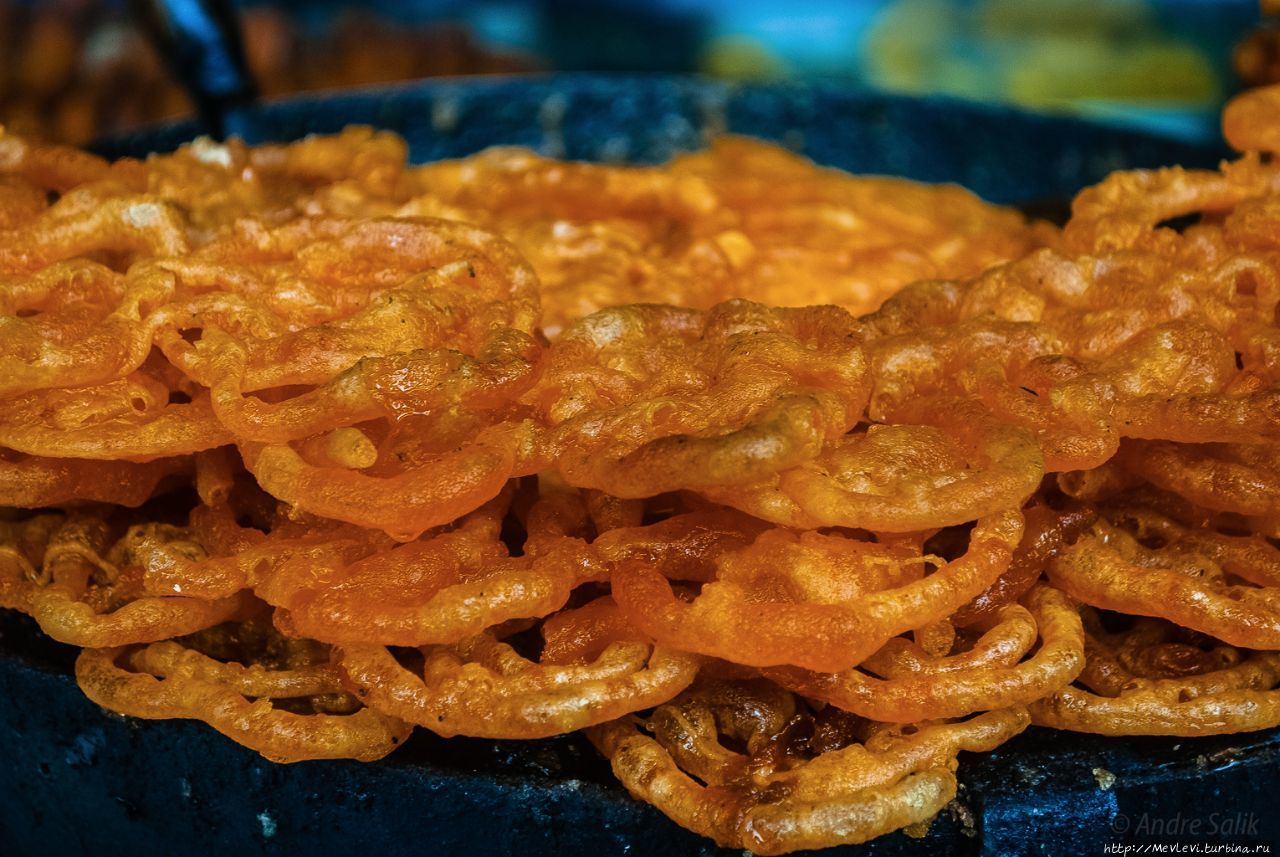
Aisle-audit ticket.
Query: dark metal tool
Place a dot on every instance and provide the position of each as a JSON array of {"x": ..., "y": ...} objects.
[{"x": 201, "y": 43}]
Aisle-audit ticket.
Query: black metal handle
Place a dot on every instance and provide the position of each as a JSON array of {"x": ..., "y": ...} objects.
[{"x": 201, "y": 42}]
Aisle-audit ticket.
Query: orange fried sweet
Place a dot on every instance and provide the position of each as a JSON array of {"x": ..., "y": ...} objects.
[
  {"x": 645, "y": 399},
  {"x": 786, "y": 485},
  {"x": 823, "y": 602},
  {"x": 899, "y": 685},
  {"x": 1158, "y": 679},
  {"x": 286, "y": 704},
  {"x": 1139, "y": 562},
  {"x": 793, "y": 788},
  {"x": 483, "y": 687},
  {"x": 84, "y": 589}
]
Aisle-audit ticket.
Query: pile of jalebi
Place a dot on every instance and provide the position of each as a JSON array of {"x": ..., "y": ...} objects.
[{"x": 317, "y": 447}]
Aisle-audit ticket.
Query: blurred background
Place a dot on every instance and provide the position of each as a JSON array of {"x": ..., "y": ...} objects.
[{"x": 72, "y": 70}]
